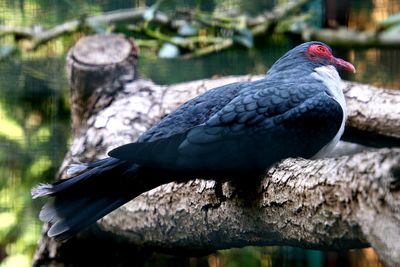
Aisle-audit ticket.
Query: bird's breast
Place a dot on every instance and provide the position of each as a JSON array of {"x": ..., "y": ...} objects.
[{"x": 329, "y": 76}]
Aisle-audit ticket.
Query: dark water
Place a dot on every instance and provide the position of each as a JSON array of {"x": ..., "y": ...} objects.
[{"x": 35, "y": 129}]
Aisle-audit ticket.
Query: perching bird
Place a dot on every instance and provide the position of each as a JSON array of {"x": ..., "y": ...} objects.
[{"x": 297, "y": 110}]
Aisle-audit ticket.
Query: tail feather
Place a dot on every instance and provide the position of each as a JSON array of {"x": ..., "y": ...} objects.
[
  {"x": 77, "y": 168},
  {"x": 83, "y": 199},
  {"x": 41, "y": 190},
  {"x": 62, "y": 185},
  {"x": 67, "y": 226},
  {"x": 61, "y": 207}
]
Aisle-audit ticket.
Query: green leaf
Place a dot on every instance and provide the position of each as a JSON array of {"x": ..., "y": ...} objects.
[
  {"x": 244, "y": 37},
  {"x": 390, "y": 21},
  {"x": 393, "y": 30},
  {"x": 150, "y": 13},
  {"x": 98, "y": 27},
  {"x": 187, "y": 29},
  {"x": 168, "y": 50},
  {"x": 6, "y": 50}
]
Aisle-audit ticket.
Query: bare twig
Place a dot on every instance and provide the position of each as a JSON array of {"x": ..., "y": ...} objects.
[
  {"x": 346, "y": 37},
  {"x": 41, "y": 36},
  {"x": 258, "y": 25}
]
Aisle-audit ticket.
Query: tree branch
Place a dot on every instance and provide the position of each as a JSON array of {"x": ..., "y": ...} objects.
[
  {"x": 40, "y": 36},
  {"x": 350, "y": 38},
  {"x": 335, "y": 203},
  {"x": 339, "y": 203}
]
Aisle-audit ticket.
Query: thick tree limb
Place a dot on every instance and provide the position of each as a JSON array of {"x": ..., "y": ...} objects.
[
  {"x": 320, "y": 204},
  {"x": 372, "y": 109},
  {"x": 350, "y": 38},
  {"x": 335, "y": 203}
]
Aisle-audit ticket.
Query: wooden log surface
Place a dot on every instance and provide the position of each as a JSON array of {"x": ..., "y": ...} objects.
[
  {"x": 334, "y": 203},
  {"x": 98, "y": 62}
]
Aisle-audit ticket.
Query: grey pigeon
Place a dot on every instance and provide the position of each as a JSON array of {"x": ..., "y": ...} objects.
[{"x": 296, "y": 110}]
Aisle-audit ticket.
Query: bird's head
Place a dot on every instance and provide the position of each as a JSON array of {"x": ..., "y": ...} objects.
[
  {"x": 308, "y": 56},
  {"x": 321, "y": 54}
]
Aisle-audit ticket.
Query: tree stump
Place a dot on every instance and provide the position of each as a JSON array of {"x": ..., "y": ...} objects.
[
  {"x": 334, "y": 203},
  {"x": 103, "y": 62}
]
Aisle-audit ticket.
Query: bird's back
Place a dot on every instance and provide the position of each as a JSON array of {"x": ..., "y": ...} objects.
[{"x": 240, "y": 127}]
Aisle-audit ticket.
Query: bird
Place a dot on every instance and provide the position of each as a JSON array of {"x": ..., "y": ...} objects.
[{"x": 297, "y": 110}]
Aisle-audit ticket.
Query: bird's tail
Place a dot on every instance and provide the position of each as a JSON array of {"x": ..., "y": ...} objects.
[{"x": 83, "y": 199}]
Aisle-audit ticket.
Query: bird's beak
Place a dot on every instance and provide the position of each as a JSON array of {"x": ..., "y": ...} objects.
[{"x": 343, "y": 64}]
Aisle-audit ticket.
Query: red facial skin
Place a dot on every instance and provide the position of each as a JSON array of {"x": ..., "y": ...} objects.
[{"x": 322, "y": 54}]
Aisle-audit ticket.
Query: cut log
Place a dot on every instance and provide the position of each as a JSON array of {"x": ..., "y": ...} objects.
[
  {"x": 334, "y": 203},
  {"x": 102, "y": 62}
]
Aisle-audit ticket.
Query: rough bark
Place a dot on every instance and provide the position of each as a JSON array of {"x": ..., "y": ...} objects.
[
  {"x": 334, "y": 203},
  {"x": 373, "y": 110},
  {"x": 339, "y": 203},
  {"x": 99, "y": 61}
]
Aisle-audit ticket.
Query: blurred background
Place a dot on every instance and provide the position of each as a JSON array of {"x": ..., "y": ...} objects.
[{"x": 35, "y": 119}]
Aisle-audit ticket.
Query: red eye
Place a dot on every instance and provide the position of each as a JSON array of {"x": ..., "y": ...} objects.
[{"x": 318, "y": 51}]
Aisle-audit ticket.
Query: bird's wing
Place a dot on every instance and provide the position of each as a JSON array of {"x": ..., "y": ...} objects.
[
  {"x": 194, "y": 112},
  {"x": 253, "y": 131}
]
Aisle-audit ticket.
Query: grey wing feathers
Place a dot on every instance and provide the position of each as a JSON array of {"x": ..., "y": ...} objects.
[
  {"x": 194, "y": 112},
  {"x": 252, "y": 131}
]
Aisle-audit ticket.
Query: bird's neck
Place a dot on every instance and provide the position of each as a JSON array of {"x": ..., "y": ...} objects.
[{"x": 329, "y": 76}]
